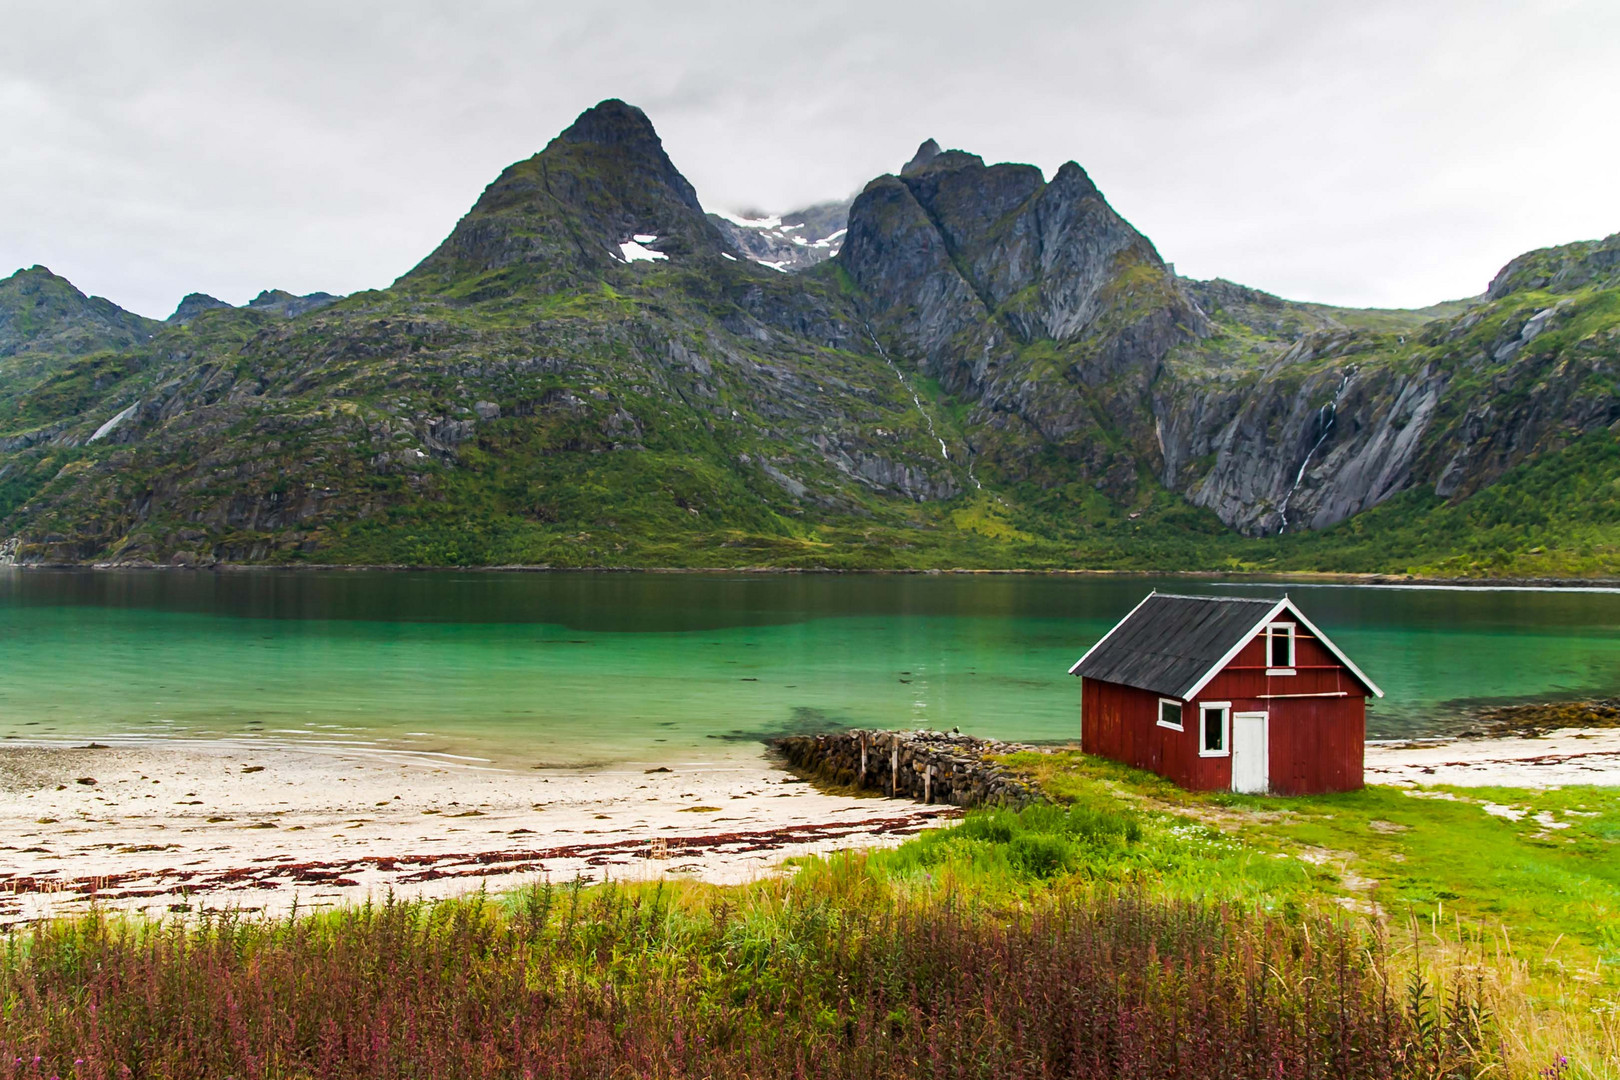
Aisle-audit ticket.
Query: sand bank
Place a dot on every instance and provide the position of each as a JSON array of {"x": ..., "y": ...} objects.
[
  {"x": 1559, "y": 758},
  {"x": 183, "y": 826},
  {"x": 188, "y": 826}
]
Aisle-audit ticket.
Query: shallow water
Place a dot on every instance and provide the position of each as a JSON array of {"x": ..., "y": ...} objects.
[{"x": 569, "y": 668}]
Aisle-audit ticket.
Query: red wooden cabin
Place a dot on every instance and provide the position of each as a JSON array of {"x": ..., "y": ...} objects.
[{"x": 1226, "y": 693}]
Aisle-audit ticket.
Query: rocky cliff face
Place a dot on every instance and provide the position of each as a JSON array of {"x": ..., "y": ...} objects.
[
  {"x": 1342, "y": 419},
  {"x": 1032, "y": 300},
  {"x": 591, "y": 370}
]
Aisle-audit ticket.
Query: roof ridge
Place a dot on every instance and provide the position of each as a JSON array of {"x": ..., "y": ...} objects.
[{"x": 1221, "y": 599}]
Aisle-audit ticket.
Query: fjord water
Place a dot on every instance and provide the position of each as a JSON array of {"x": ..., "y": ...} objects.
[{"x": 581, "y": 668}]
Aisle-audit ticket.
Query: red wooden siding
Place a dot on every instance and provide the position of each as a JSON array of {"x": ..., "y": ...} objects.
[
  {"x": 1122, "y": 722},
  {"x": 1316, "y": 743},
  {"x": 1317, "y": 671}
]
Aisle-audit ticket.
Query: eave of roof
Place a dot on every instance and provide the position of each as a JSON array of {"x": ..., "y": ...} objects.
[{"x": 1272, "y": 609}]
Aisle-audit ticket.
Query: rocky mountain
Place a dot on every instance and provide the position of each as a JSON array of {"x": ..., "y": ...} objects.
[
  {"x": 1032, "y": 302},
  {"x": 794, "y": 241},
  {"x": 193, "y": 304},
  {"x": 995, "y": 368},
  {"x": 1342, "y": 418},
  {"x": 270, "y": 301},
  {"x": 43, "y": 314},
  {"x": 282, "y": 302}
]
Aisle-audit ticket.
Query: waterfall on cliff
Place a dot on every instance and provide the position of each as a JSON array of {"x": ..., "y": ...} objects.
[
  {"x": 1327, "y": 417},
  {"x": 917, "y": 401}
]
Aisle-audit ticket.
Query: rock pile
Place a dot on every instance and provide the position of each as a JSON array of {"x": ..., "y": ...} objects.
[
  {"x": 1534, "y": 720},
  {"x": 928, "y": 765}
]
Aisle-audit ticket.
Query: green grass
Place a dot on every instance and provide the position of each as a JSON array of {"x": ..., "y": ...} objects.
[
  {"x": 1489, "y": 945},
  {"x": 1430, "y": 852},
  {"x": 1523, "y": 884}
]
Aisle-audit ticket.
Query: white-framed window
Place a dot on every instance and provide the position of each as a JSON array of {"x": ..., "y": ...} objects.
[
  {"x": 1214, "y": 728},
  {"x": 1280, "y": 648},
  {"x": 1170, "y": 714}
]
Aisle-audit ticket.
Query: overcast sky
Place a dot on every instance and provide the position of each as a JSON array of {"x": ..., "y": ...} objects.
[{"x": 1355, "y": 153}]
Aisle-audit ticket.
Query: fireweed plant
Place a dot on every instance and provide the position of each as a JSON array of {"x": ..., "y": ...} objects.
[{"x": 998, "y": 948}]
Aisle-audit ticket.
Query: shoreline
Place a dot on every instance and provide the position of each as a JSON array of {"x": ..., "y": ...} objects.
[
  {"x": 1560, "y": 758},
  {"x": 159, "y": 828},
  {"x": 1308, "y": 577}
]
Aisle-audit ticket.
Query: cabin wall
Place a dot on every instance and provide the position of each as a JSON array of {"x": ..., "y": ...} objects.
[
  {"x": 1122, "y": 722},
  {"x": 1317, "y": 671},
  {"x": 1316, "y": 744}
]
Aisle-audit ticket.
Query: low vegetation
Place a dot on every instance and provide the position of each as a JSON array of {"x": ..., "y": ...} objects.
[
  {"x": 1521, "y": 887},
  {"x": 1127, "y": 928},
  {"x": 842, "y": 973}
]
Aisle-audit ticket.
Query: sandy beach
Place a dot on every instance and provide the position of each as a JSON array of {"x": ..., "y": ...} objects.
[
  {"x": 1559, "y": 758},
  {"x": 163, "y": 827}
]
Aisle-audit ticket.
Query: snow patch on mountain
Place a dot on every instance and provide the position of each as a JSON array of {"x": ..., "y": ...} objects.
[
  {"x": 633, "y": 250},
  {"x": 785, "y": 242}
]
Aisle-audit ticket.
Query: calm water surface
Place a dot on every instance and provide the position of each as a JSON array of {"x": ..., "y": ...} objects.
[{"x": 583, "y": 668}]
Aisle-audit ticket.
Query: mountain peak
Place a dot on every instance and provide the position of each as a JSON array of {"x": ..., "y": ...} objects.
[
  {"x": 573, "y": 207},
  {"x": 37, "y": 271},
  {"x": 928, "y": 151},
  {"x": 44, "y": 312},
  {"x": 282, "y": 302},
  {"x": 611, "y": 123},
  {"x": 1071, "y": 175},
  {"x": 192, "y": 305},
  {"x": 620, "y": 135},
  {"x": 1560, "y": 269}
]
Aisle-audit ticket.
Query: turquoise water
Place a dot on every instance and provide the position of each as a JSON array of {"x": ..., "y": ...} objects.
[{"x": 584, "y": 668}]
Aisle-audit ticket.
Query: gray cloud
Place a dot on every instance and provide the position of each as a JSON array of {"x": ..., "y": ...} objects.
[{"x": 1359, "y": 153}]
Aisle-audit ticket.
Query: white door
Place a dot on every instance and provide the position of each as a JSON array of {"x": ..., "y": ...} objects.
[{"x": 1250, "y": 755}]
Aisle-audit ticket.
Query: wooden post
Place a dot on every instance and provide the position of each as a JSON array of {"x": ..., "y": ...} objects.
[
  {"x": 863, "y": 757},
  {"x": 928, "y": 785},
  {"x": 894, "y": 768}
]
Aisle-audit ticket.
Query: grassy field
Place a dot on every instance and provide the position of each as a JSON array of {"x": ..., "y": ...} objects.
[
  {"x": 1520, "y": 885},
  {"x": 1125, "y": 929}
]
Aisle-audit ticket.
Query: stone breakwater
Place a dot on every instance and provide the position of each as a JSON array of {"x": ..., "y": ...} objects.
[{"x": 926, "y": 765}]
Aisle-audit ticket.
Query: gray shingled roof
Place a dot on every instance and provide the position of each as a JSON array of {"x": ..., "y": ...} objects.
[{"x": 1170, "y": 642}]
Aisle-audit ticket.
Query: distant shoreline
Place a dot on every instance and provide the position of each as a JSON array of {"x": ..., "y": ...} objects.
[{"x": 1308, "y": 577}]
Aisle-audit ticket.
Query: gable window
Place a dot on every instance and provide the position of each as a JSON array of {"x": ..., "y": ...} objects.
[
  {"x": 1214, "y": 728},
  {"x": 1280, "y": 649},
  {"x": 1170, "y": 714}
]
